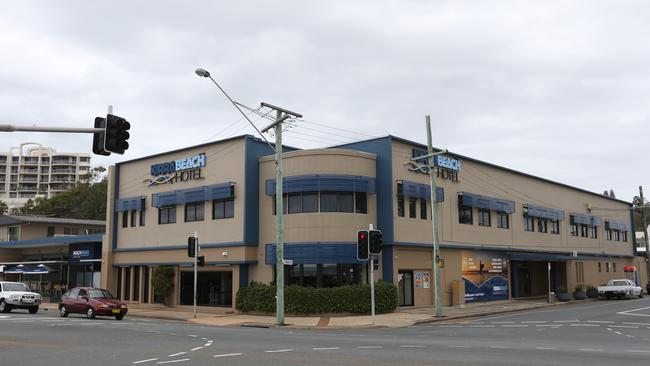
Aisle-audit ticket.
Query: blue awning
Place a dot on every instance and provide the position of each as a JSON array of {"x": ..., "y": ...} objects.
[
  {"x": 315, "y": 253},
  {"x": 129, "y": 204},
  {"x": 323, "y": 183},
  {"x": 488, "y": 203},
  {"x": 586, "y": 220},
  {"x": 616, "y": 225},
  {"x": 197, "y": 194},
  {"x": 420, "y": 190},
  {"x": 543, "y": 212}
]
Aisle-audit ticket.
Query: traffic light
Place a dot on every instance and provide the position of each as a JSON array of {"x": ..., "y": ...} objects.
[
  {"x": 200, "y": 261},
  {"x": 374, "y": 236},
  {"x": 116, "y": 134},
  {"x": 191, "y": 246},
  {"x": 362, "y": 245},
  {"x": 98, "y": 137}
]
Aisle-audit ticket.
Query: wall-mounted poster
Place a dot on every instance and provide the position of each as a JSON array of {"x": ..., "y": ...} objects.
[
  {"x": 485, "y": 274},
  {"x": 422, "y": 280}
]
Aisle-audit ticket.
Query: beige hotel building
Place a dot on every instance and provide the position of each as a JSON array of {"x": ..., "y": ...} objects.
[{"x": 502, "y": 233}]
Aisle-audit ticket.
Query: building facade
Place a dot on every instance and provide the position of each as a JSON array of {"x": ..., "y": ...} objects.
[
  {"x": 503, "y": 234},
  {"x": 31, "y": 171},
  {"x": 51, "y": 254}
]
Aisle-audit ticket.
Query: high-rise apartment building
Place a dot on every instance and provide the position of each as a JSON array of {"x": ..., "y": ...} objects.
[{"x": 32, "y": 171}]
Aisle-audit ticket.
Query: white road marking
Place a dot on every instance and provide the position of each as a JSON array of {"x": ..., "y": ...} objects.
[
  {"x": 502, "y": 322},
  {"x": 515, "y": 325},
  {"x": 143, "y": 361},
  {"x": 585, "y": 325},
  {"x": 411, "y": 346},
  {"x": 629, "y": 336},
  {"x": 619, "y": 333},
  {"x": 196, "y": 348},
  {"x": 173, "y": 361},
  {"x": 629, "y": 312},
  {"x": 624, "y": 326},
  {"x": 228, "y": 355},
  {"x": 549, "y": 325},
  {"x": 499, "y": 347},
  {"x": 192, "y": 335},
  {"x": 636, "y": 323},
  {"x": 450, "y": 326},
  {"x": 589, "y": 349},
  {"x": 482, "y": 326},
  {"x": 5, "y": 316},
  {"x": 279, "y": 350},
  {"x": 176, "y": 354},
  {"x": 533, "y": 322},
  {"x": 600, "y": 321},
  {"x": 370, "y": 347},
  {"x": 325, "y": 348},
  {"x": 610, "y": 329},
  {"x": 566, "y": 321},
  {"x": 546, "y": 348},
  {"x": 205, "y": 339},
  {"x": 91, "y": 323},
  {"x": 458, "y": 346},
  {"x": 207, "y": 344}
]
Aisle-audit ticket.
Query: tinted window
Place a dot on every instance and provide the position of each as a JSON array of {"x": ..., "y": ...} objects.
[
  {"x": 98, "y": 293},
  {"x": 328, "y": 202},
  {"x": 310, "y": 202}
]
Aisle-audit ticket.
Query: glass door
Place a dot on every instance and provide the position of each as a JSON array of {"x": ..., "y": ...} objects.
[{"x": 405, "y": 288}]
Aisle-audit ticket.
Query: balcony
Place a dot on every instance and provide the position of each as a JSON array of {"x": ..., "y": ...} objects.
[
  {"x": 27, "y": 188},
  {"x": 28, "y": 171},
  {"x": 63, "y": 171},
  {"x": 29, "y": 161},
  {"x": 27, "y": 179},
  {"x": 59, "y": 161}
]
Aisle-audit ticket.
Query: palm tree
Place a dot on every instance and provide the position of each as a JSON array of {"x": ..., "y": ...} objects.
[{"x": 3, "y": 207}]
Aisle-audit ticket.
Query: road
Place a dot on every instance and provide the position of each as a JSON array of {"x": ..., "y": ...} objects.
[{"x": 593, "y": 333}]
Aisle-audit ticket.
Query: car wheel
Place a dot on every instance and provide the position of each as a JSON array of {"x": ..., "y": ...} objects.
[
  {"x": 4, "y": 307},
  {"x": 33, "y": 310},
  {"x": 641, "y": 295},
  {"x": 63, "y": 311},
  {"x": 620, "y": 296},
  {"x": 90, "y": 313},
  {"x": 119, "y": 317}
]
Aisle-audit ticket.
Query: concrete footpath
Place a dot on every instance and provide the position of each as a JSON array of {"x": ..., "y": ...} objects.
[{"x": 400, "y": 318}]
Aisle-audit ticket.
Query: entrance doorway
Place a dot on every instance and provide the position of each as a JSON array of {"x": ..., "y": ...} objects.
[
  {"x": 405, "y": 288},
  {"x": 531, "y": 278},
  {"x": 214, "y": 288}
]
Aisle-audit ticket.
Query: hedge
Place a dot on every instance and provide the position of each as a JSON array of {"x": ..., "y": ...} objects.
[{"x": 317, "y": 300}]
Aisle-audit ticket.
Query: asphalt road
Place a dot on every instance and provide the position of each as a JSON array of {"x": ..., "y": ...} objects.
[{"x": 593, "y": 333}]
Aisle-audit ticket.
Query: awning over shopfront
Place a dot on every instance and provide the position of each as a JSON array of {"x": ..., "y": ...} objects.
[
  {"x": 488, "y": 203},
  {"x": 543, "y": 212},
  {"x": 586, "y": 220},
  {"x": 420, "y": 190},
  {"x": 29, "y": 270},
  {"x": 205, "y": 193},
  {"x": 323, "y": 183},
  {"x": 616, "y": 225}
]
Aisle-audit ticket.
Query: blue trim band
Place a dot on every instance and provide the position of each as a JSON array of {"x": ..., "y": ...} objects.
[
  {"x": 182, "y": 264},
  {"x": 183, "y": 246},
  {"x": 53, "y": 241}
]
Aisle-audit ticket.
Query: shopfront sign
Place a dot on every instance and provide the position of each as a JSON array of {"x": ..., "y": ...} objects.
[
  {"x": 448, "y": 167},
  {"x": 485, "y": 274},
  {"x": 78, "y": 252},
  {"x": 422, "y": 280},
  {"x": 176, "y": 171}
]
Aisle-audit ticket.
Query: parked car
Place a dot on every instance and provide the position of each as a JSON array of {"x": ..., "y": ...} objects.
[
  {"x": 16, "y": 295},
  {"x": 620, "y": 288},
  {"x": 92, "y": 302}
]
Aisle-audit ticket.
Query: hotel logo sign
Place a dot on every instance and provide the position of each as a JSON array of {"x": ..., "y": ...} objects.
[
  {"x": 175, "y": 171},
  {"x": 448, "y": 167}
]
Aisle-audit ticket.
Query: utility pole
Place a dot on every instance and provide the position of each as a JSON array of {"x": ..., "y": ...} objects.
[
  {"x": 434, "y": 208},
  {"x": 645, "y": 233},
  {"x": 196, "y": 254},
  {"x": 280, "y": 116}
]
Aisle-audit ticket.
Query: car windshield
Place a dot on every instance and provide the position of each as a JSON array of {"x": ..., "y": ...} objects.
[
  {"x": 619, "y": 283},
  {"x": 14, "y": 287},
  {"x": 97, "y": 294}
]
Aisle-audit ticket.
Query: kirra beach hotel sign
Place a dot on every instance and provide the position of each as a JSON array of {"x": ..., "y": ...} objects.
[{"x": 175, "y": 171}]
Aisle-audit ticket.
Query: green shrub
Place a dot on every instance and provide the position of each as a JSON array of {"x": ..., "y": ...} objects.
[
  {"x": 162, "y": 281},
  {"x": 590, "y": 287},
  {"x": 317, "y": 300},
  {"x": 561, "y": 290},
  {"x": 580, "y": 287}
]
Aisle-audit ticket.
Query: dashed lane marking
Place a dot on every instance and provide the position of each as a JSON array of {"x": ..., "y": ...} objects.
[
  {"x": 503, "y": 322},
  {"x": 533, "y": 322},
  {"x": 173, "y": 361},
  {"x": 450, "y": 326},
  {"x": 279, "y": 350},
  {"x": 482, "y": 326},
  {"x": 629, "y": 336},
  {"x": 590, "y": 349},
  {"x": 567, "y": 321},
  {"x": 228, "y": 355},
  {"x": 411, "y": 346},
  {"x": 546, "y": 348},
  {"x": 600, "y": 321},
  {"x": 192, "y": 335},
  {"x": 370, "y": 347},
  {"x": 176, "y": 354},
  {"x": 459, "y": 346},
  {"x": 196, "y": 348},
  {"x": 585, "y": 325},
  {"x": 636, "y": 323},
  {"x": 143, "y": 361},
  {"x": 619, "y": 333},
  {"x": 207, "y": 344},
  {"x": 625, "y": 326},
  {"x": 325, "y": 348},
  {"x": 549, "y": 325},
  {"x": 515, "y": 325}
]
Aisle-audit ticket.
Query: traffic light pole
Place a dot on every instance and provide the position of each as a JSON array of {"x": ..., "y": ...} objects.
[
  {"x": 372, "y": 277},
  {"x": 14, "y": 128},
  {"x": 196, "y": 254}
]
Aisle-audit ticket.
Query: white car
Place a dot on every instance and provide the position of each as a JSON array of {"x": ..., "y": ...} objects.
[
  {"x": 16, "y": 295},
  {"x": 620, "y": 288}
]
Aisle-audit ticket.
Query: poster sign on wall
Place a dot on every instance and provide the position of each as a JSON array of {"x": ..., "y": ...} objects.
[
  {"x": 485, "y": 274},
  {"x": 422, "y": 280}
]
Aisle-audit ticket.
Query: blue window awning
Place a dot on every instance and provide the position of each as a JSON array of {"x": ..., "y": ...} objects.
[
  {"x": 586, "y": 220},
  {"x": 543, "y": 212},
  {"x": 616, "y": 225},
  {"x": 488, "y": 203},
  {"x": 315, "y": 253},
  {"x": 323, "y": 183},
  {"x": 197, "y": 194},
  {"x": 129, "y": 204},
  {"x": 419, "y": 190}
]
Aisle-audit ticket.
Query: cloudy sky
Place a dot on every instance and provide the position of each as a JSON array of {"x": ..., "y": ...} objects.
[{"x": 557, "y": 89}]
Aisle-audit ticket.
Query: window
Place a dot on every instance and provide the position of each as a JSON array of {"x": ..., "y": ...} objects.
[
  {"x": 70, "y": 231},
  {"x": 555, "y": 226},
  {"x": 167, "y": 214},
  {"x": 624, "y": 235},
  {"x": 323, "y": 275},
  {"x": 607, "y": 266},
  {"x": 574, "y": 226},
  {"x": 295, "y": 203},
  {"x": 593, "y": 232},
  {"x": 483, "y": 217},
  {"x": 13, "y": 233},
  {"x": 503, "y": 220},
  {"x": 465, "y": 215},
  {"x": 400, "y": 206},
  {"x": 608, "y": 234},
  {"x": 336, "y": 202},
  {"x": 310, "y": 202},
  {"x": 223, "y": 209},
  {"x": 423, "y": 209},
  {"x": 360, "y": 202},
  {"x": 584, "y": 231},
  {"x": 142, "y": 216},
  {"x": 133, "y": 218},
  {"x": 600, "y": 268},
  {"x": 614, "y": 266},
  {"x": 529, "y": 223},
  {"x": 617, "y": 235},
  {"x": 412, "y": 207},
  {"x": 50, "y": 231},
  {"x": 542, "y": 225},
  {"x": 194, "y": 211},
  {"x": 125, "y": 218}
]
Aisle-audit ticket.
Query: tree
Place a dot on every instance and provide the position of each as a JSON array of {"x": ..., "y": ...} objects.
[
  {"x": 3, "y": 207},
  {"x": 85, "y": 201},
  {"x": 162, "y": 282},
  {"x": 611, "y": 193},
  {"x": 639, "y": 208}
]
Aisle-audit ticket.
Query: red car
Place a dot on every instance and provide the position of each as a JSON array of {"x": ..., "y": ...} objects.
[{"x": 92, "y": 302}]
